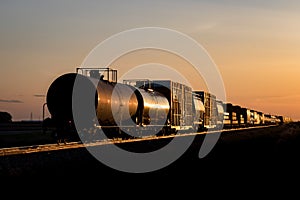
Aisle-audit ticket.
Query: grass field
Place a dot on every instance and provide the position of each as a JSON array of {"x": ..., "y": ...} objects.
[
  {"x": 23, "y": 133},
  {"x": 249, "y": 148}
]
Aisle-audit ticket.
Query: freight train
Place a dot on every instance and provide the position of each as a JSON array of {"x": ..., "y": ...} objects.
[{"x": 141, "y": 107}]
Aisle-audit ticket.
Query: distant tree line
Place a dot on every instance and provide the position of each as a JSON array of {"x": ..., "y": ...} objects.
[{"x": 5, "y": 117}]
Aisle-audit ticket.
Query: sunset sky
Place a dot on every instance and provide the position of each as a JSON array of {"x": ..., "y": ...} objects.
[{"x": 255, "y": 45}]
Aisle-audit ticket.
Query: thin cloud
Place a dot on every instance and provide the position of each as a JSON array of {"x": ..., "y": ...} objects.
[
  {"x": 281, "y": 97},
  {"x": 10, "y": 101},
  {"x": 39, "y": 95}
]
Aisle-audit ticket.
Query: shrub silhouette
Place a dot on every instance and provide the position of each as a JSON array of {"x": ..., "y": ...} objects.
[{"x": 5, "y": 117}]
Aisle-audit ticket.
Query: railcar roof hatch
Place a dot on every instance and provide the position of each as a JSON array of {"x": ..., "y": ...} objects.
[{"x": 105, "y": 73}]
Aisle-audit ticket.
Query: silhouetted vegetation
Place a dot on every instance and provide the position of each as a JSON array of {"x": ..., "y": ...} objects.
[{"x": 5, "y": 117}]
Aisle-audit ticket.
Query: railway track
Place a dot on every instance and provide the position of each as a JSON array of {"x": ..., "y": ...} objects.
[{"x": 71, "y": 145}]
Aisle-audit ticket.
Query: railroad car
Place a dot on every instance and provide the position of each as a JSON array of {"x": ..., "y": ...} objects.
[
  {"x": 141, "y": 107},
  {"x": 232, "y": 116},
  {"x": 220, "y": 114},
  {"x": 210, "y": 106}
]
